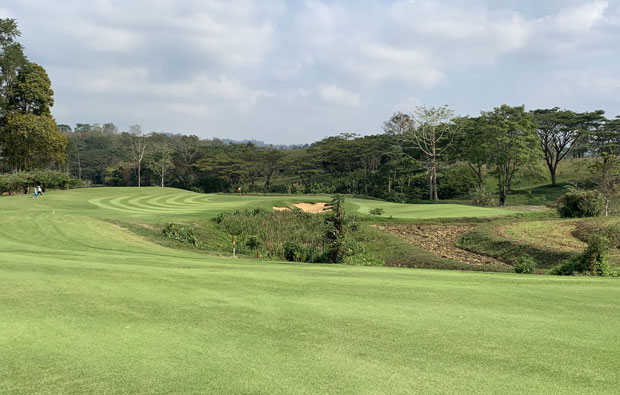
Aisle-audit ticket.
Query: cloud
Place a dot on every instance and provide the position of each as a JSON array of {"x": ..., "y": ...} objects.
[
  {"x": 335, "y": 95},
  {"x": 217, "y": 67}
]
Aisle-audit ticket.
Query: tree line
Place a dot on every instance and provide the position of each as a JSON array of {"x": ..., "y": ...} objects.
[{"x": 429, "y": 154}]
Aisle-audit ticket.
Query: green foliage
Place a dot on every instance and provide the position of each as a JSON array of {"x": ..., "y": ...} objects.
[
  {"x": 524, "y": 264},
  {"x": 253, "y": 242},
  {"x": 578, "y": 203},
  {"x": 376, "y": 211},
  {"x": 482, "y": 197},
  {"x": 48, "y": 179},
  {"x": 295, "y": 252},
  {"x": 335, "y": 230},
  {"x": 182, "y": 233},
  {"x": 593, "y": 260}
]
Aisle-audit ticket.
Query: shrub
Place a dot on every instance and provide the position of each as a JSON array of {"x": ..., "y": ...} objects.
[
  {"x": 48, "y": 179},
  {"x": 184, "y": 234},
  {"x": 482, "y": 197},
  {"x": 253, "y": 243},
  {"x": 295, "y": 252},
  {"x": 577, "y": 203},
  {"x": 524, "y": 264},
  {"x": 592, "y": 261},
  {"x": 376, "y": 211}
]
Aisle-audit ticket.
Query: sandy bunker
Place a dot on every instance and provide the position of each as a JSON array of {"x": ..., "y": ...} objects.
[{"x": 313, "y": 208}]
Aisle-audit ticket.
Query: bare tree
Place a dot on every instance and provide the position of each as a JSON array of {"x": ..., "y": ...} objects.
[
  {"x": 398, "y": 124},
  {"x": 432, "y": 132},
  {"x": 160, "y": 155},
  {"x": 138, "y": 147}
]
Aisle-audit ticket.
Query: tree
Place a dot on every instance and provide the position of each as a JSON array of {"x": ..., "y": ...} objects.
[
  {"x": 398, "y": 124},
  {"x": 32, "y": 91},
  {"x": 30, "y": 141},
  {"x": 29, "y": 136},
  {"x": 138, "y": 147},
  {"x": 269, "y": 164},
  {"x": 432, "y": 133},
  {"x": 12, "y": 59},
  {"x": 514, "y": 144},
  {"x": 605, "y": 143},
  {"x": 160, "y": 155},
  {"x": 472, "y": 145},
  {"x": 560, "y": 131}
]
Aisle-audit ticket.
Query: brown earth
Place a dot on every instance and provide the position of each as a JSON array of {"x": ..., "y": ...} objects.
[{"x": 439, "y": 240}]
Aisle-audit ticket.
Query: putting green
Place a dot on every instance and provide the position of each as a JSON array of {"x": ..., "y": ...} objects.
[{"x": 88, "y": 307}]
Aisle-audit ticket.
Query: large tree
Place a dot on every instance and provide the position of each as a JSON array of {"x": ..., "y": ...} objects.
[
  {"x": 514, "y": 144},
  {"x": 12, "y": 59},
  {"x": 473, "y": 146},
  {"x": 560, "y": 131},
  {"x": 605, "y": 145},
  {"x": 30, "y": 137},
  {"x": 432, "y": 133}
]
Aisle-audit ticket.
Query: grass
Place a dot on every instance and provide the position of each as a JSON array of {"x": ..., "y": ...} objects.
[{"x": 89, "y": 307}]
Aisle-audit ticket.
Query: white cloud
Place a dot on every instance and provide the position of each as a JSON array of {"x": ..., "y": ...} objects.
[
  {"x": 408, "y": 105},
  {"x": 380, "y": 62},
  {"x": 335, "y": 95}
]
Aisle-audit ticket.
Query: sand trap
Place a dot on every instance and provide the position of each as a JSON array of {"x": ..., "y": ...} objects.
[
  {"x": 280, "y": 208},
  {"x": 313, "y": 208}
]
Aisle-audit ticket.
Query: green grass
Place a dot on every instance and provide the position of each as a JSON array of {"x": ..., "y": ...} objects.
[
  {"x": 88, "y": 307},
  {"x": 425, "y": 211}
]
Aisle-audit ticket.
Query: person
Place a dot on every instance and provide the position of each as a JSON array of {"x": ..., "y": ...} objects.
[
  {"x": 40, "y": 190},
  {"x": 36, "y": 193}
]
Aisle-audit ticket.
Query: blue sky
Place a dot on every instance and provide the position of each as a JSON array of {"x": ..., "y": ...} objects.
[{"x": 297, "y": 71}]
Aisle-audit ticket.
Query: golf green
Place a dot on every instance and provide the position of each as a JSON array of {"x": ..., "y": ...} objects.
[{"x": 88, "y": 307}]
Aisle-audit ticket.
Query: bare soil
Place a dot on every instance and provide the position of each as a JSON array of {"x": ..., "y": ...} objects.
[
  {"x": 439, "y": 240},
  {"x": 277, "y": 208}
]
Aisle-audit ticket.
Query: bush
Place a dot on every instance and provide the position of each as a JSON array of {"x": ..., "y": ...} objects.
[
  {"x": 295, "y": 252},
  {"x": 253, "y": 243},
  {"x": 592, "y": 261},
  {"x": 48, "y": 179},
  {"x": 184, "y": 234},
  {"x": 578, "y": 203},
  {"x": 524, "y": 264},
  {"x": 482, "y": 197},
  {"x": 376, "y": 211}
]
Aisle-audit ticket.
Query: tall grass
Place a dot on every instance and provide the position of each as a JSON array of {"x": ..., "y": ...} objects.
[{"x": 272, "y": 230}]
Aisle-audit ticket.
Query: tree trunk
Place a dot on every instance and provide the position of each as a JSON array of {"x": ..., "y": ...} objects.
[
  {"x": 434, "y": 187},
  {"x": 138, "y": 174}
]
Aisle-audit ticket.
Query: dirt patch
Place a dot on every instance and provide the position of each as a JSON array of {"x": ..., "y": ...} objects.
[
  {"x": 280, "y": 208},
  {"x": 439, "y": 240},
  {"x": 314, "y": 208}
]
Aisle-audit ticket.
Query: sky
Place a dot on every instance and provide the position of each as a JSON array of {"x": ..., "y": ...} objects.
[{"x": 289, "y": 72}]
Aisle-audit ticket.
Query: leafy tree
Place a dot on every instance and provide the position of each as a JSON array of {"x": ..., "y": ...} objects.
[
  {"x": 269, "y": 163},
  {"x": 605, "y": 143},
  {"x": 32, "y": 91},
  {"x": 514, "y": 144},
  {"x": 29, "y": 136},
  {"x": 560, "y": 131},
  {"x": 30, "y": 141},
  {"x": 473, "y": 146},
  {"x": 12, "y": 59}
]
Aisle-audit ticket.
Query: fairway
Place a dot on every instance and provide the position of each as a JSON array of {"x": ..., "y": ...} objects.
[{"x": 88, "y": 307}]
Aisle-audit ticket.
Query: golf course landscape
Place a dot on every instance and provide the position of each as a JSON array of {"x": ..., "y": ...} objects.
[{"x": 89, "y": 306}]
